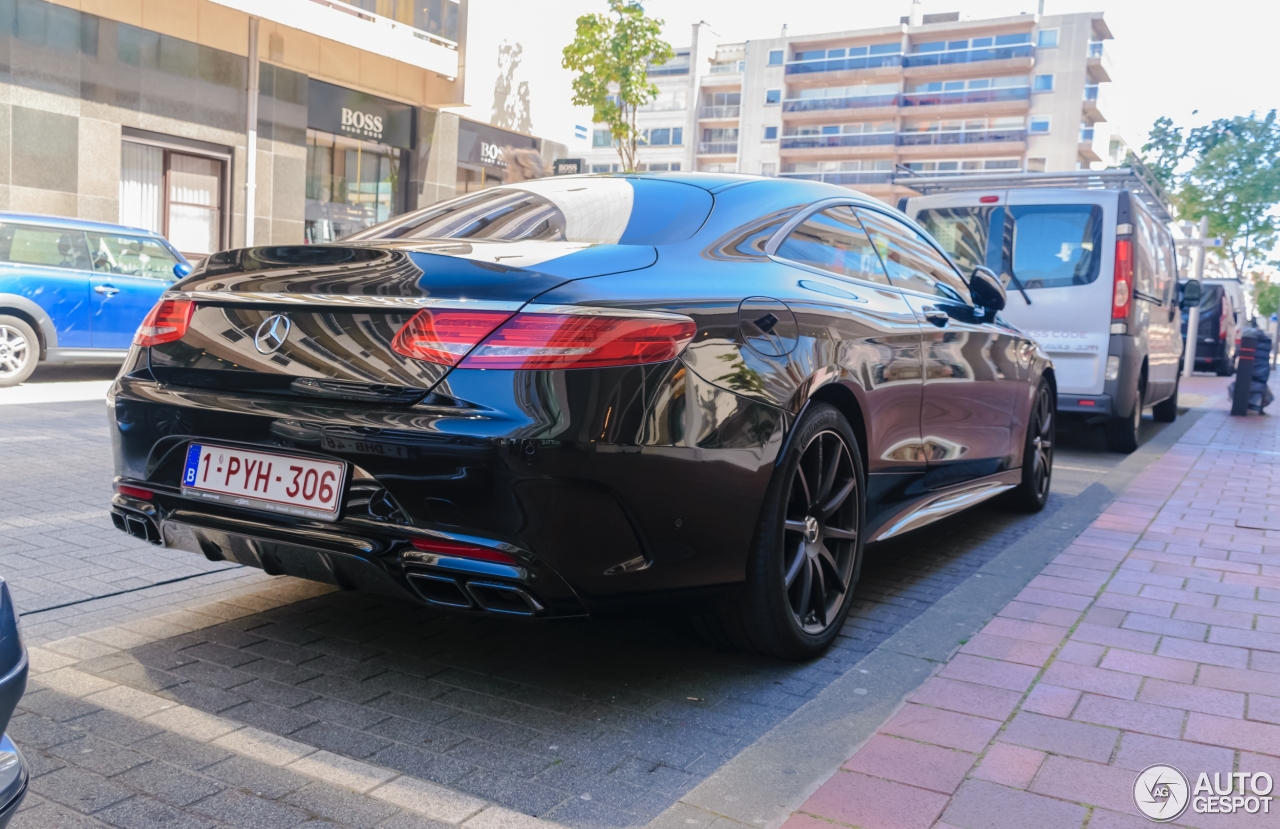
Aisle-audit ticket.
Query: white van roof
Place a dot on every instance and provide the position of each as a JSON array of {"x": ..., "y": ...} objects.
[{"x": 1135, "y": 177}]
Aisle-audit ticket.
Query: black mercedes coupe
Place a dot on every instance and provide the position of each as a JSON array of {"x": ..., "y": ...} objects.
[{"x": 586, "y": 396}]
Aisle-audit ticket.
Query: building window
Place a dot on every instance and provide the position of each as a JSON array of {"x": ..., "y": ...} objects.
[
  {"x": 1039, "y": 125},
  {"x": 604, "y": 168},
  {"x": 1047, "y": 38},
  {"x": 177, "y": 194},
  {"x": 601, "y": 138},
  {"x": 1035, "y": 165},
  {"x": 663, "y": 137},
  {"x": 768, "y": 168},
  {"x": 775, "y": 57},
  {"x": 773, "y": 96},
  {"x": 770, "y": 133},
  {"x": 1043, "y": 83}
]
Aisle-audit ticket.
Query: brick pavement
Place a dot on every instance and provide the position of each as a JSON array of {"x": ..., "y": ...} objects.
[{"x": 1154, "y": 638}]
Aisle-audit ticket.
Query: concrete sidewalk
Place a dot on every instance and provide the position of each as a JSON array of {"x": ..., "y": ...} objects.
[{"x": 1153, "y": 639}]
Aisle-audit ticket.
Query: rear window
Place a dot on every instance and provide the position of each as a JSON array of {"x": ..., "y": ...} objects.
[
  {"x": 965, "y": 233},
  {"x": 47, "y": 246},
  {"x": 1056, "y": 245},
  {"x": 628, "y": 211}
]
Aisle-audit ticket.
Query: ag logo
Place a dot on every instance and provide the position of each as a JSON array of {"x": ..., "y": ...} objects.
[
  {"x": 1161, "y": 792},
  {"x": 272, "y": 334}
]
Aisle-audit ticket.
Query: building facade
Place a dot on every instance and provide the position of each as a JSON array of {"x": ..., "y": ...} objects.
[
  {"x": 136, "y": 111},
  {"x": 936, "y": 95}
]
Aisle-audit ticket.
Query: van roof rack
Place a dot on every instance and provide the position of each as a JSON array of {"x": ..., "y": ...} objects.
[{"x": 1134, "y": 177}]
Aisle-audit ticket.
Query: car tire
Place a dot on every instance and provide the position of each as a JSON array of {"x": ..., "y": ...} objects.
[
  {"x": 19, "y": 351},
  {"x": 1037, "y": 453},
  {"x": 1166, "y": 411},
  {"x": 1122, "y": 432},
  {"x": 800, "y": 575}
]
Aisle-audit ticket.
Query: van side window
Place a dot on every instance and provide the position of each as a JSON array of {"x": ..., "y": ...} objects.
[
  {"x": 1056, "y": 245},
  {"x": 833, "y": 241},
  {"x": 910, "y": 259},
  {"x": 49, "y": 247}
]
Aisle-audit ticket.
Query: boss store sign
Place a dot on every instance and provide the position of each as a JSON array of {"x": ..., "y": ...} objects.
[
  {"x": 341, "y": 111},
  {"x": 486, "y": 146}
]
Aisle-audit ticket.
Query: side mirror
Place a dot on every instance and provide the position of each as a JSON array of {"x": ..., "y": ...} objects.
[
  {"x": 986, "y": 290},
  {"x": 1190, "y": 293},
  {"x": 182, "y": 270}
]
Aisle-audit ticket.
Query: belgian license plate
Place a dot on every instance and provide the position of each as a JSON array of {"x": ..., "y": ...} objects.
[{"x": 264, "y": 480}]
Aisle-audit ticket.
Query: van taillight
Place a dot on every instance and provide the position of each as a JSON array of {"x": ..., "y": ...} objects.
[
  {"x": 1222, "y": 323},
  {"x": 1122, "y": 296}
]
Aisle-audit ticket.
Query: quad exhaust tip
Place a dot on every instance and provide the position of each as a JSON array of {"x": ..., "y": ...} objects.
[
  {"x": 491, "y": 597},
  {"x": 138, "y": 526}
]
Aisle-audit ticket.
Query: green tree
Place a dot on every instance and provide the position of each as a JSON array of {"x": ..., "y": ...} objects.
[
  {"x": 1228, "y": 171},
  {"x": 611, "y": 53},
  {"x": 1267, "y": 296}
]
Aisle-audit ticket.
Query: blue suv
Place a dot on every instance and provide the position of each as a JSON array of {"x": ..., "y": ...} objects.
[{"x": 73, "y": 291}]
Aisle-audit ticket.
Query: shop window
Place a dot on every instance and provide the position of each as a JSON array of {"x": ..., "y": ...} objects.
[
  {"x": 351, "y": 184},
  {"x": 175, "y": 193}
]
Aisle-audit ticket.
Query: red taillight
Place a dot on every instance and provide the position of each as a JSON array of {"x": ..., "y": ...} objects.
[
  {"x": 989, "y": 199},
  {"x": 445, "y": 336},
  {"x": 558, "y": 341},
  {"x": 135, "y": 492},
  {"x": 461, "y": 550},
  {"x": 166, "y": 322},
  {"x": 1222, "y": 324},
  {"x": 1122, "y": 297}
]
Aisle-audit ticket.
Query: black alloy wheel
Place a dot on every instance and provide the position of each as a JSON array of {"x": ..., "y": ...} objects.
[
  {"x": 807, "y": 554},
  {"x": 820, "y": 532},
  {"x": 1037, "y": 453}
]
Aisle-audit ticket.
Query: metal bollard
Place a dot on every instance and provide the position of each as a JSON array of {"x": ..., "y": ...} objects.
[{"x": 1244, "y": 376}]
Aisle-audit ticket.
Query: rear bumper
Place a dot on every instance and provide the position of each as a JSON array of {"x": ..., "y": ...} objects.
[
  {"x": 614, "y": 489},
  {"x": 15, "y": 775},
  {"x": 1086, "y": 404}
]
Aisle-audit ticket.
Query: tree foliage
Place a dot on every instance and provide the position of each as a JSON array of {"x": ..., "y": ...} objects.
[
  {"x": 611, "y": 53},
  {"x": 1229, "y": 171},
  {"x": 1267, "y": 296}
]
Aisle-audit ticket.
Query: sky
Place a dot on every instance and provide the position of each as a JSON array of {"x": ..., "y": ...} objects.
[{"x": 1170, "y": 57}]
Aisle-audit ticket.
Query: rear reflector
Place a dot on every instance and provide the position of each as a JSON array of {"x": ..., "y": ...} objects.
[
  {"x": 164, "y": 323},
  {"x": 445, "y": 336},
  {"x": 1122, "y": 297},
  {"x": 575, "y": 340},
  {"x": 1087, "y": 402},
  {"x": 135, "y": 492},
  {"x": 456, "y": 548}
]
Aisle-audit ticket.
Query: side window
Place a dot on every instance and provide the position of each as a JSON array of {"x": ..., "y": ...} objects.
[
  {"x": 46, "y": 246},
  {"x": 131, "y": 256},
  {"x": 910, "y": 260},
  {"x": 833, "y": 240}
]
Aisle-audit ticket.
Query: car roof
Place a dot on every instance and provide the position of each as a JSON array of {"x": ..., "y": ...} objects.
[
  {"x": 719, "y": 182},
  {"x": 73, "y": 224}
]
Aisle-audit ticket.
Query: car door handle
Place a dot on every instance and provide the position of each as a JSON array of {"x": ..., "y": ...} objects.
[
  {"x": 109, "y": 290},
  {"x": 938, "y": 318}
]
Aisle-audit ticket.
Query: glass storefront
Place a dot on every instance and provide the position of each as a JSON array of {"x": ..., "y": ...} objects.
[{"x": 351, "y": 184}]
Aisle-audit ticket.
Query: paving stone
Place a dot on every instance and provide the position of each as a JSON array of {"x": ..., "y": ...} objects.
[
  {"x": 97, "y": 755},
  {"x": 181, "y": 751},
  {"x": 145, "y": 813},
  {"x": 81, "y": 790},
  {"x": 246, "y": 811},
  {"x": 1089, "y": 742},
  {"x": 859, "y": 800},
  {"x": 991, "y": 806},
  {"x": 168, "y": 783},
  {"x": 341, "y": 740},
  {"x": 340, "y": 805},
  {"x": 261, "y": 779},
  {"x": 421, "y": 763}
]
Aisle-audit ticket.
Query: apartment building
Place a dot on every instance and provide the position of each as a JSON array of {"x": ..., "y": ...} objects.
[
  {"x": 935, "y": 95},
  {"x": 138, "y": 112}
]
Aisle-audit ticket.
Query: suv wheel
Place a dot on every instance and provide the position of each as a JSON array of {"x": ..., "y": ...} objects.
[
  {"x": 1122, "y": 432},
  {"x": 808, "y": 548},
  {"x": 19, "y": 351},
  {"x": 1037, "y": 454},
  {"x": 1166, "y": 411}
]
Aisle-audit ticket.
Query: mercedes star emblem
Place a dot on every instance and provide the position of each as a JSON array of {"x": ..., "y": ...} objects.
[{"x": 272, "y": 334}]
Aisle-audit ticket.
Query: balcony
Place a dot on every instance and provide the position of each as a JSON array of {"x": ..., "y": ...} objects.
[
  {"x": 717, "y": 148},
  {"x": 1098, "y": 62},
  {"x": 806, "y": 67},
  {"x": 421, "y": 34},
  {"x": 720, "y": 112},
  {"x": 875, "y": 177},
  {"x": 820, "y": 108},
  {"x": 1019, "y": 50},
  {"x": 676, "y": 66},
  {"x": 822, "y": 142},
  {"x": 947, "y": 139},
  {"x": 967, "y": 102},
  {"x": 1095, "y": 102},
  {"x": 1088, "y": 150},
  {"x": 728, "y": 67}
]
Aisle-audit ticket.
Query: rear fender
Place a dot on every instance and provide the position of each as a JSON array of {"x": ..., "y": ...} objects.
[{"x": 20, "y": 306}]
